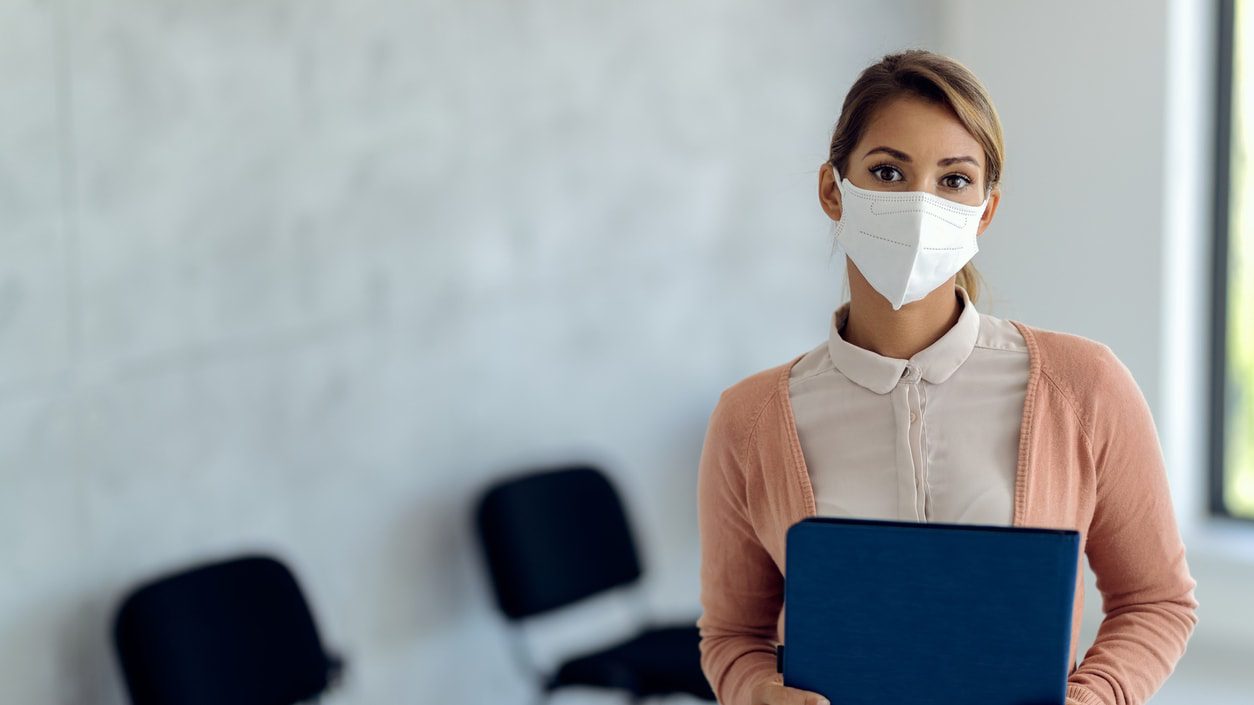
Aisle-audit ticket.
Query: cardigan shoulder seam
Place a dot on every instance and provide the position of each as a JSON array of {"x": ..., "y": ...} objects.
[
  {"x": 1056, "y": 337},
  {"x": 1088, "y": 439},
  {"x": 755, "y": 415},
  {"x": 752, "y": 435}
]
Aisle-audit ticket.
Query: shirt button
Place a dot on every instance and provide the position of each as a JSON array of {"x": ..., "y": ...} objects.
[{"x": 913, "y": 416}]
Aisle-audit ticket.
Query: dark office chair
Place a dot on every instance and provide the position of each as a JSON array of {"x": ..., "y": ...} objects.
[
  {"x": 553, "y": 537},
  {"x": 237, "y": 631}
]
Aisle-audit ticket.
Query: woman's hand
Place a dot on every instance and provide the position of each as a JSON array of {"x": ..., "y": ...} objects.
[{"x": 772, "y": 691}]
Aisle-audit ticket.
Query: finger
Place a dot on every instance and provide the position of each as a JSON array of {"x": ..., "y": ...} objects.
[{"x": 784, "y": 695}]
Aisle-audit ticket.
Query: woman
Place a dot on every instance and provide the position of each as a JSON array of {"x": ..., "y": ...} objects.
[{"x": 918, "y": 407}]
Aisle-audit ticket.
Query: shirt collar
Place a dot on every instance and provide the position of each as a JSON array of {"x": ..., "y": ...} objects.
[{"x": 935, "y": 363}]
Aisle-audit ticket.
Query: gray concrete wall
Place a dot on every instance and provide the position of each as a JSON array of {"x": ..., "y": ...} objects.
[{"x": 302, "y": 276}]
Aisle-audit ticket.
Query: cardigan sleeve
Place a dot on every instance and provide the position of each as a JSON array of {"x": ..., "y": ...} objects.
[
  {"x": 741, "y": 587},
  {"x": 1134, "y": 549}
]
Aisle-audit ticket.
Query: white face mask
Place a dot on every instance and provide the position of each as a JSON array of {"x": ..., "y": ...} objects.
[{"x": 905, "y": 243}]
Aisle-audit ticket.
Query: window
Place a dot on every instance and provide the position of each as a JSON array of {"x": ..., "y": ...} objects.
[{"x": 1232, "y": 382}]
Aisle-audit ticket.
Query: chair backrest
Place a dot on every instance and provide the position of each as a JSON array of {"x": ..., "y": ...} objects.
[
  {"x": 237, "y": 631},
  {"x": 552, "y": 537}
]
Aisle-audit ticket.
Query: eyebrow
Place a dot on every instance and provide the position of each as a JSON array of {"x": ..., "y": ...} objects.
[{"x": 898, "y": 154}]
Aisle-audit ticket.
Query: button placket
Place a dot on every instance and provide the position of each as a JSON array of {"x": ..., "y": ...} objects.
[
  {"x": 926, "y": 469},
  {"x": 907, "y": 484},
  {"x": 912, "y": 378}
]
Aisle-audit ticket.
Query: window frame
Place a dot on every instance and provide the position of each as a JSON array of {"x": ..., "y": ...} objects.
[{"x": 1224, "y": 74}]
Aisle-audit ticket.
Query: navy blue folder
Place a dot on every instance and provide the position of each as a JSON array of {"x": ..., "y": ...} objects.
[{"x": 906, "y": 613}]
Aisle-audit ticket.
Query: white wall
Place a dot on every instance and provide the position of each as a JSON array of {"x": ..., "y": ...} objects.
[
  {"x": 302, "y": 276},
  {"x": 1104, "y": 231}
]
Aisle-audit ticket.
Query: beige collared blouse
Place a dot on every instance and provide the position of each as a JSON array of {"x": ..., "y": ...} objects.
[{"x": 933, "y": 438}]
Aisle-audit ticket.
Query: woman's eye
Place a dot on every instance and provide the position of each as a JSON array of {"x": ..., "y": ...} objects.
[
  {"x": 884, "y": 172},
  {"x": 956, "y": 181}
]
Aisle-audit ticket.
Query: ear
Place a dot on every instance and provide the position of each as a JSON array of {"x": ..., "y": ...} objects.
[
  {"x": 829, "y": 191},
  {"x": 993, "y": 199}
]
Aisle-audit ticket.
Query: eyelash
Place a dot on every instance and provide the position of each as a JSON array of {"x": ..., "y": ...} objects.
[{"x": 877, "y": 167}]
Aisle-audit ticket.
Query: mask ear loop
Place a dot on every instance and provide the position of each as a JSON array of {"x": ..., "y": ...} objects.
[
  {"x": 835, "y": 243},
  {"x": 840, "y": 189}
]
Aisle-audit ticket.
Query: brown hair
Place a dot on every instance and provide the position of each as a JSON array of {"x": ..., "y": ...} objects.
[{"x": 936, "y": 78}]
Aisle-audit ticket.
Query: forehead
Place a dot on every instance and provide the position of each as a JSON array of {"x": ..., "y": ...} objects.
[{"x": 920, "y": 128}]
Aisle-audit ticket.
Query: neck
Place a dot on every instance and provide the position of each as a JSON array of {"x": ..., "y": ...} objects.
[{"x": 873, "y": 325}]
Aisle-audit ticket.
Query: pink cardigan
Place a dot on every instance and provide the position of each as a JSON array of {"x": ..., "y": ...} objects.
[{"x": 1088, "y": 460}]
